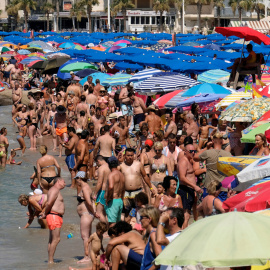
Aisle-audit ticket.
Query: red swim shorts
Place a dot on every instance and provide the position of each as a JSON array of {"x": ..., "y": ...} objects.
[{"x": 54, "y": 221}]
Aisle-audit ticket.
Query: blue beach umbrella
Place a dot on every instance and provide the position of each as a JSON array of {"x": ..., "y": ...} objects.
[
  {"x": 24, "y": 52},
  {"x": 144, "y": 74},
  {"x": 67, "y": 45},
  {"x": 117, "y": 79},
  {"x": 98, "y": 75},
  {"x": 206, "y": 88}
]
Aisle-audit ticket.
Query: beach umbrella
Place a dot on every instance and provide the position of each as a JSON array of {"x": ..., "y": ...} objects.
[
  {"x": 165, "y": 82},
  {"x": 201, "y": 98},
  {"x": 252, "y": 173},
  {"x": 247, "y": 111},
  {"x": 85, "y": 72},
  {"x": 144, "y": 74},
  {"x": 261, "y": 91},
  {"x": 264, "y": 119},
  {"x": 77, "y": 66},
  {"x": 206, "y": 88},
  {"x": 117, "y": 79},
  {"x": 165, "y": 41},
  {"x": 125, "y": 65},
  {"x": 121, "y": 41},
  {"x": 20, "y": 57},
  {"x": 162, "y": 101},
  {"x": 229, "y": 166},
  {"x": 99, "y": 48},
  {"x": 55, "y": 63},
  {"x": 214, "y": 76},
  {"x": 24, "y": 51},
  {"x": 98, "y": 75},
  {"x": 212, "y": 47},
  {"x": 113, "y": 48},
  {"x": 209, "y": 107},
  {"x": 228, "y": 240},
  {"x": 191, "y": 43},
  {"x": 28, "y": 60},
  {"x": 57, "y": 55},
  {"x": 5, "y": 49},
  {"x": 244, "y": 32},
  {"x": 250, "y": 136},
  {"x": 67, "y": 45},
  {"x": 253, "y": 199},
  {"x": 37, "y": 64},
  {"x": 225, "y": 102},
  {"x": 34, "y": 49}
]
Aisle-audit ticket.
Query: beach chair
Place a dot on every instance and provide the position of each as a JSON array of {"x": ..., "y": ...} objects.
[{"x": 254, "y": 69}]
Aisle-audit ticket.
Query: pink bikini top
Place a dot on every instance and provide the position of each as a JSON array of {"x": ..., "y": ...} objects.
[
  {"x": 102, "y": 100},
  {"x": 162, "y": 207}
]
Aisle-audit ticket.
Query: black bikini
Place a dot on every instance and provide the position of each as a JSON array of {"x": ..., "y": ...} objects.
[
  {"x": 80, "y": 200},
  {"x": 49, "y": 179}
]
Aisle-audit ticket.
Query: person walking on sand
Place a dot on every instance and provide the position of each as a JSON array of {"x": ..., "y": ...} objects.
[{"x": 53, "y": 213}]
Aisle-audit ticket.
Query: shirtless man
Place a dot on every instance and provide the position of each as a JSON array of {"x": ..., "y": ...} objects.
[
  {"x": 53, "y": 213},
  {"x": 59, "y": 100},
  {"x": 136, "y": 178},
  {"x": 187, "y": 187},
  {"x": 171, "y": 152},
  {"x": 82, "y": 106},
  {"x": 99, "y": 194},
  {"x": 154, "y": 121},
  {"x": 115, "y": 192},
  {"x": 75, "y": 88},
  {"x": 82, "y": 153},
  {"x": 60, "y": 118},
  {"x": 192, "y": 128},
  {"x": 91, "y": 98},
  {"x": 82, "y": 120},
  {"x": 70, "y": 153},
  {"x": 97, "y": 88},
  {"x": 7, "y": 70},
  {"x": 125, "y": 104},
  {"x": 89, "y": 81},
  {"x": 123, "y": 132},
  {"x": 16, "y": 96},
  {"x": 128, "y": 246},
  {"x": 99, "y": 124},
  {"x": 50, "y": 126},
  {"x": 15, "y": 74},
  {"x": 139, "y": 108},
  {"x": 171, "y": 126}
]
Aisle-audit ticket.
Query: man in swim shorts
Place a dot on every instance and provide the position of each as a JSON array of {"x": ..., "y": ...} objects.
[
  {"x": 115, "y": 192},
  {"x": 53, "y": 213},
  {"x": 61, "y": 126}
]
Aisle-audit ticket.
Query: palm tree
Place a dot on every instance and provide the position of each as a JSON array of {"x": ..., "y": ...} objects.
[
  {"x": 48, "y": 8},
  {"x": 161, "y": 6},
  {"x": 26, "y": 6},
  {"x": 14, "y": 12},
  {"x": 57, "y": 15},
  {"x": 219, "y": 4},
  {"x": 239, "y": 5},
  {"x": 199, "y": 4},
  {"x": 123, "y": 6},
  {"x": 78, "y": 12},
  {"x": 89, "y": 7},
  {"x": 257, "y": 7}
]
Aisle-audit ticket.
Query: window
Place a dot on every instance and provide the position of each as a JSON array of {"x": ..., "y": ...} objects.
[
  {"x": 142, "y": 20},
  {"x": 132, "y": 20},
  {"x": 153, "y": 20},
  {"x": 137, "y": 20},
  {"x": 147, "y": 20}
]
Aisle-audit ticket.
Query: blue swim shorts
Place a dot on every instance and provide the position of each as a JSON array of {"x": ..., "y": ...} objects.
[
  {"x": 70, "y": 161},
  {"x": 101, "y": 197},
  {"x": 126, "y": 109}
]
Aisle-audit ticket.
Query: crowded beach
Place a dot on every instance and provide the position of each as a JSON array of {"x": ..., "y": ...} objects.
[{"x": 162, "y": 140}]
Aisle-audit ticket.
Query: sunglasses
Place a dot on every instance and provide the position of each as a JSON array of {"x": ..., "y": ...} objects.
[
  {"x": 142, "y": 217},
  {"x": 192, "y": 151},
  {"x": 158, "y": 150}
]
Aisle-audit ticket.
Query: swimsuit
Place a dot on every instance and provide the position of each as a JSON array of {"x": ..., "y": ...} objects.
[
  {"x": 48, "y": 179},
  {"x": 162, "y": 207},
  {"x": 101, "y": 197},
  {"x": 18, "y": 137},
  {"x": 161, "y": 169},
  {"x": 41, "y": 200},
  {"x": 54, "y": 220},
  {"x": 214, "y": 211},
  {"x": 51, "y": 121},
  {"x": 113, "y": 210},
  {"x": 61, "y": 131},
  {"x": 70, "y": 161}
]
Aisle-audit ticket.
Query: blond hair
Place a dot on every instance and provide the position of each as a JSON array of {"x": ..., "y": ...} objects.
[
  {"x": 159, "y": 134},
  {"x": 212, "y": 187},
  {"x": 43, "y": 150},
  {"x": 151, "y": 212},
  {"x": 158, "y": 145}
]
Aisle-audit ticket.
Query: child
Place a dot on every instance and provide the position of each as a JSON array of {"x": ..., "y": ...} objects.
[
  {"x": 95, "y": 240},
  {"x": 160, "y": 188},
  {"x": 204, "y": 131},
  {"x": 11, "y": 160}
]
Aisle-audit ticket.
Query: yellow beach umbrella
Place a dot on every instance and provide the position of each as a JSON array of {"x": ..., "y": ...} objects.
[{"x": 225, "y": 102}]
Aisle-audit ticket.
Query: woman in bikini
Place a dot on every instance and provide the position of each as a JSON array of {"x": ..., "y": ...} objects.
[
  {"x": 3, "y": 147},
  {"x": 86, "y": 210},
  {"x": 159, "y": 165},
  {"x": 260, "y": 148},
  {"x": 169, "y": 198},
  {"x": 102, "y": 102},
  {"x": 36, "y": 206},
  {"x": 22, "y": 125},
  {"x": 33, "y": 128},
  {"x": 21, "y": 114},
  {"x": 46, "y": 169},
  {"x": 204, "y": 132}
]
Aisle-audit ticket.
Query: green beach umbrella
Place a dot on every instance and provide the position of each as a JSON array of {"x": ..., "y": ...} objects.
[
  {"x": 5, "y": 49},
  {"x": 77, "y": 66},
  {"x": 226, "y": 240},
  {"x": 250, "y": 137}
]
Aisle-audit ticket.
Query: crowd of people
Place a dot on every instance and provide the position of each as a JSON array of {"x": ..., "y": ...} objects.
[{"x": 155, "y": 170}]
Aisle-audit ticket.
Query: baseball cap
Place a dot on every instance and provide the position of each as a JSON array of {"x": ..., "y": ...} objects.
[
  {"x": 112, "y": 159},
  {"x": 149, "y": 142}
]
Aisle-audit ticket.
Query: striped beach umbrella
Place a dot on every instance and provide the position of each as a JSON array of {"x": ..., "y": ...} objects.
[
  {"x": 225, "y": 102},
  {"x": 117, "y": 79},
  {"x": 214, "y": 76},
  {"x": 144, "y": 74}
]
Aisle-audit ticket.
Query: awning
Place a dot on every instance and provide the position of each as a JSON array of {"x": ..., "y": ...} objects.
[
  {"x": 261, "y": 26},
  {"x": 237, "y": 24}
]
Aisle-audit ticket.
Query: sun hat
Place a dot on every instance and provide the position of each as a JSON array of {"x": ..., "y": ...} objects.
[
  {"x": 61, "y": 109},
  {"x": 80, "y": 174}
]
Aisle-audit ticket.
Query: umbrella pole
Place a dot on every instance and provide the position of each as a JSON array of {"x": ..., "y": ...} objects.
[{"x": 242, "y": 54}]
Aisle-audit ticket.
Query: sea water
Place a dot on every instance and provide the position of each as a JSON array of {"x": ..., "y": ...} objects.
[{"x": 27, "y": 248}]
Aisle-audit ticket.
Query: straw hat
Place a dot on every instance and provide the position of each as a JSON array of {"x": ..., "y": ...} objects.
[
  {"x": 152, "y": 107},
  {"x": 113, "y": 116}
]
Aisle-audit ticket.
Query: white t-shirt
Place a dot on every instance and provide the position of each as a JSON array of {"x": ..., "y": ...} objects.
[{"x": 169, "y": 267}]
